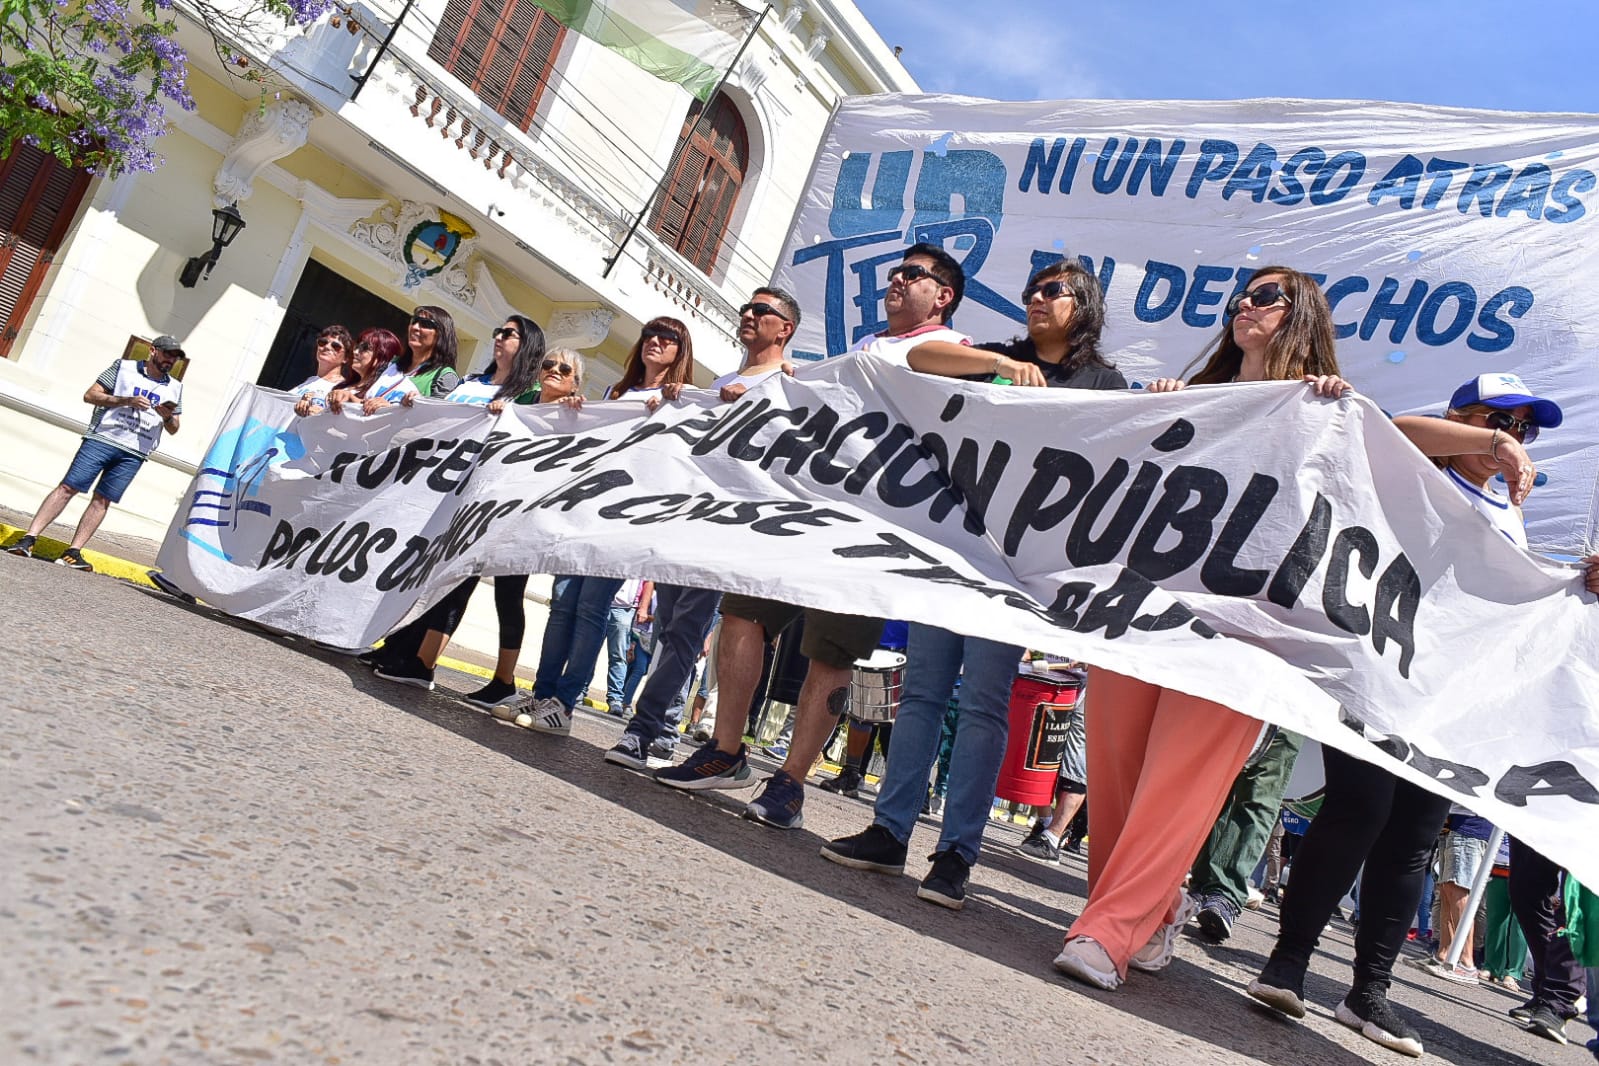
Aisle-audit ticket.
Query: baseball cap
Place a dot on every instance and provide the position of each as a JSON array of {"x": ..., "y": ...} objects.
[
  {"x": 167, "y": 343},
  {"x": 1506, "y": 391}
]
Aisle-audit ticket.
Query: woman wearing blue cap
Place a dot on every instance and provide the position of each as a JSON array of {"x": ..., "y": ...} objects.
[{"x": 1370, "y": 816}]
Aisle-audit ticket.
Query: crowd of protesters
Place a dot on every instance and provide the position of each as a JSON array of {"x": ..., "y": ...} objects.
[{"x": 1180, "y": 795}]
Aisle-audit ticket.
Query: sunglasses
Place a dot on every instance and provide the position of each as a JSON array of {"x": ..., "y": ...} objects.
[
  {"x": 662, "y": 334},
  {"x": 759, "y": 309},
  {"x": 424, "y": 322},
  {"x": 1049, "y": 290},
  {"x": 1520, "y": 428},
  {"x": 563, "y": 369},
  {"x": 329, "y": 342},
  {"x": 910, "y": 273},
  {"x": 504, "y": 333},
  {"x": 1263, "y": 296}
]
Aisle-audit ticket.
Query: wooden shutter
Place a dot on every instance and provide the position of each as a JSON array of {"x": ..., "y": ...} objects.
[
  {"x": 503, "y": 50},
  {"x": 708, "y": 169},
  {"x": 38, "y": 198}
]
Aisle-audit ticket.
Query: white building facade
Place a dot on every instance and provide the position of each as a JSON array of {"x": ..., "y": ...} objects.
[{"x": 490, "y": 162}]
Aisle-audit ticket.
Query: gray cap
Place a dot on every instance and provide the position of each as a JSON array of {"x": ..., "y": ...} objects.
[{"x": 167, "y": 343}]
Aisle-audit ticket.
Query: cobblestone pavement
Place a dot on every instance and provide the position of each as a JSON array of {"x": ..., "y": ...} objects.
[{"x": 224, "y": 847}]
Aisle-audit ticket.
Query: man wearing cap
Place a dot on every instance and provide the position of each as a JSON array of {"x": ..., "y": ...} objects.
[{"x": 133, "y": 402}]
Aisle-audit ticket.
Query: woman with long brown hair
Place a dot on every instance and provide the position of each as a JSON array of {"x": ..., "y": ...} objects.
[{"x": 1160, "y": 761}]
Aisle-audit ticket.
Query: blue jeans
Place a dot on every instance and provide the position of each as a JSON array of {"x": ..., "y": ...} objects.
[
  {"x": 643, "y": 651},
  {"x": 934, "y": 658},
  {"x": 618, "y": 634},
  {"x": 573, "y": 637},
  {"x": 682, "y": 617}
]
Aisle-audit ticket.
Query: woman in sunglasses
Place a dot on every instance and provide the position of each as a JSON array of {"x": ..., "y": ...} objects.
[
  {"x": 1371, "y": 822},
  {"x": 661, "y": 362},
  {"x": 513, "y": 375},
  {"x": 411, "y": 653},
  {"x": 431, "y": 350},
  {"x": 372, "y": 376},
  {"x": 1161, "y": 764},
  {"x": 333, "y": 347}
]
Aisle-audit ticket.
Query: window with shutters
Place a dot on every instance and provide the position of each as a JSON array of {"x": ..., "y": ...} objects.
[
  {"x": 707, "y": 171},
  {"x": 38, "y": 198},
  {"x": 502, "y": 49}
]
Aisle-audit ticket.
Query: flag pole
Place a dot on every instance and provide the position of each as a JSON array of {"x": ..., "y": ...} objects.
[{"x": 611, "y": 260}]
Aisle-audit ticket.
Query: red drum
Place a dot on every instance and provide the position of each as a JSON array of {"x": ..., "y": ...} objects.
[{"x": 1040, "y": 712}]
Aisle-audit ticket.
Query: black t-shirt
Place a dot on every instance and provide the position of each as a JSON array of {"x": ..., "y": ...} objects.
[{"x": 1090, "y": 376}]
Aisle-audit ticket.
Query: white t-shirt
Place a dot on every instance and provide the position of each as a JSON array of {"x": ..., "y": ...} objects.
[
  {"x": 1500, "y": 511},
  {"x": 897, "y": 350},
  {"x": 316, "y": 388},
  {"x": 476, "y": 390},
  {"x": 748, "y": 380},
  {"x": 392, "y": 385},
  {"x": 129, "y": 428}
]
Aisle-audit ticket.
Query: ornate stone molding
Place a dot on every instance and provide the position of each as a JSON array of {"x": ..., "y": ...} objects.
[
  {"x": 386, "y": 233},
  {"x": 751, "y": 75},
  {"x": 818, "y": 44},
  {"x": 584, "y": 328},
  {"x": 792, "y": 16},
  {"x": 264, "y": 137}
]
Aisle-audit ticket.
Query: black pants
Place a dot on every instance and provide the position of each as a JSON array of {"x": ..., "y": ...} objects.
[
  {"x": 446, "y": 615},
  {"x": 1557, "y": 980},
  {"x": 1368, "y": 816}
]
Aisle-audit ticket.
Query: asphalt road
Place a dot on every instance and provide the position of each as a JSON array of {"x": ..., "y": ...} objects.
[{"x": 223, "y": 846}]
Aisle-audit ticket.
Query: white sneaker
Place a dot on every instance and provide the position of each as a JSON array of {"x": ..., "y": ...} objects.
[
  {"x": 1157, "y": 954},
  {"x": 510, "y": 712},
  {"x": 1084, "y": 959},
  {"x": 548, "y": 715},
  {"x": 1255, "y": 899}
]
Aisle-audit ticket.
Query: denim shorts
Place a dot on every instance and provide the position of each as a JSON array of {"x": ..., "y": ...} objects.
[
  {"x": 1462, "y": 857},
  {"x": 112, "y": 465}
]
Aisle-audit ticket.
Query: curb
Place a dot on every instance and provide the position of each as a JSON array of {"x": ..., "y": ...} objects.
[{"x": 48, "y": 549}]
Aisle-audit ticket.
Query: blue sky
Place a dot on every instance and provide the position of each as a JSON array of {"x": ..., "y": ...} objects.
[{"x": 1467, "y": 54}]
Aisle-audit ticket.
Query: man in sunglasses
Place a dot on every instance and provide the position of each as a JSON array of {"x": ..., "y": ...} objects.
[
  {"x": 832, "y": 642},
  {"x": 133, "y": 401}
]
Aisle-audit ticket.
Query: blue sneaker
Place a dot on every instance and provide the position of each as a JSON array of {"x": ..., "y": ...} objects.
[
  {"x": 779, "y": 804},
  {"x": 709, "y": 767}
]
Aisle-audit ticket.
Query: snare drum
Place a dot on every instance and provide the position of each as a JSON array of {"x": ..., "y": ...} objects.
[{"x": 874, "y": 687}]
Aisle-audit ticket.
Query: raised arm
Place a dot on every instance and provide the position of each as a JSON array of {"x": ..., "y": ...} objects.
[{"x": 951, "y": 360}]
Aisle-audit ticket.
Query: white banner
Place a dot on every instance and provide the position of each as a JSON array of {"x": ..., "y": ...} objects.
[
  {"x": 1247, "y": 543},
  {"x": 1452, "y": 242}
]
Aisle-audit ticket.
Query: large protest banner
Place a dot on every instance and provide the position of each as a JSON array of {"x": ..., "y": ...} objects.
[
  {"x": 1284, "y": 555},
  {"x": 1452, "y": 242}
]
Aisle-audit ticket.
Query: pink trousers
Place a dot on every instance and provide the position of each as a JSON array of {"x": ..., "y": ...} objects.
[{"x": 1160, "y": 763}]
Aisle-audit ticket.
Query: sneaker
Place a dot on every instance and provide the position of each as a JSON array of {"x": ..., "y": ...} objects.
[
  {"x": 74, "y": 558},
  {"x": 779, "y": 804},
  {"x": 935, "y": 806},
  {"x": 1073, "y": 846},
  {"x": 496, "y": 693},
  {"x": 548, "y": 715},
  {"x": 510, "y": 712},
  {"x": 22, "y": 547},
  {"x": 704, "y": 730},
  {"x": 164, "y": 583},
  {"x": 372, "y": 657},
  {"x": 1460, "y": 975},
  {"x": 1523, "y": 1013},
  {"x": 1255, "y": 899},
  {"x": 631, "y": 752},
  {"x": 708, "y": 768},
  {"x": 874, "y": 849},
  {"x": 410, "y": 672},
  {"x": 1040, "y": 845},
  {"x": 1281, "y": 986},
  {"x": 1370, "y": 1014},
  {"x": 660, "y": 753},
  {"x": 1084, "y": 959},
  {"x": 1547, "y": 1024},
  {"x": 614, "y": 710},
  {"x": 1216, "y": 916},
  {"x": 945, "y": 884},
  {"x": 1157, "y": 954},
  {"x": 847, "y": 783},
  {"x": 777, "y": 751}
]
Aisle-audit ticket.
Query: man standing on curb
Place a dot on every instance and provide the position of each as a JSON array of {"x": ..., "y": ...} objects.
[
  {"x": 133, "y": 402},
  {"x": 683, "y": 615},
  {"x": 924, "y": 290}
]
